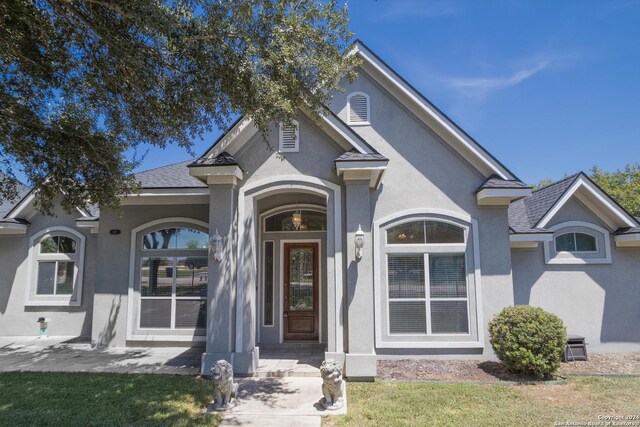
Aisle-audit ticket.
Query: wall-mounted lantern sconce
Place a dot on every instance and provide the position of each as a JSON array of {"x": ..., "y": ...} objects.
[
  {"x": 359, "y": 242},
  {"x": 215, "y": 245}
]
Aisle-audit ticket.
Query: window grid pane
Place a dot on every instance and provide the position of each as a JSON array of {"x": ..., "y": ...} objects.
[
  {"x": 447, "y": 276},
  {"x": 408, "y": 233},
  {"x": 156, "y": 277},
  {"x": 155, "y": 313},
  {"x": 46, "y": 278},
  {"x": 585, "y": 242},
  {"x": 191, "y": 313},
  {"x": 406, "y": 276},
  {"x": 566, "y": 243},
  {"x": 449, "y": 317},
  {"x": 191, "y": 276},
  {"x": 407, "y": 317},
  {"x": 64, "y": 280}
]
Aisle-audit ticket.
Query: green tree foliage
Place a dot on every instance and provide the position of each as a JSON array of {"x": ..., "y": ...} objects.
[
  {"x": 82, "y": 82},
  {"x": 623, "y": 185}
]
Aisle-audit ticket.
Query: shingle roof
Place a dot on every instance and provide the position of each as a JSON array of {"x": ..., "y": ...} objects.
[
  {"x": 14, "y": 221},
  {"x": 222, "y": 159},
  {"x": 354, "y": 156},
  {"x": 627, "y": 230},
  {"x": 495, "y": 181},
  {"x": 171, "y": 176},
  {"x": 7, "y": 205},
  {"x": 526, "y": 213}
]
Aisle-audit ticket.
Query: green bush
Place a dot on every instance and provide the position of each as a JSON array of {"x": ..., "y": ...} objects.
[{"x": 528, "y": 340}]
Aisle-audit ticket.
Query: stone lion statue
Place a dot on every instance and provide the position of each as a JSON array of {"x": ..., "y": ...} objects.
[
  {"x": 224, "y": 389},
  {"x": 333, "y": 386}
]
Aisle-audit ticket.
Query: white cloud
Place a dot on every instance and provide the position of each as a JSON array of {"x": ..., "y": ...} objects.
[{"x": 480, "y": 87}]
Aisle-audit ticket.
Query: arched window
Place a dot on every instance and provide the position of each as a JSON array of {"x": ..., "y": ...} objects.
[
  {"x": 311, "y": 220},
  {"x": 576, "y": 242},
  {"x": 427, "y": 288},
  {"x": 358, "y": 106},
  {"x": 173, "y": 278},
  {"x": 57, "y": 256}
]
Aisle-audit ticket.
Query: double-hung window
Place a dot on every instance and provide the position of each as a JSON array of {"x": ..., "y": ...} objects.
[{"x": 173, "y": 279}]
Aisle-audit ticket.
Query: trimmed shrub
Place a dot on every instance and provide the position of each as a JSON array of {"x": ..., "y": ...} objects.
[{"x": 528, "y": 340}]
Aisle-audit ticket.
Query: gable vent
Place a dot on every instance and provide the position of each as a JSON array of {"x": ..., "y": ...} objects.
[
  {"x": 289, "y": 138},
  {"x": 358, "y": 107}
]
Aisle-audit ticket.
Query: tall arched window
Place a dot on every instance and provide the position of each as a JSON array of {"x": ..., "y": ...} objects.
[
  {"x": 426, "y": 282},
  {"x": 56, "y": 263},
  {"x": 173, "y": 278},
  {"x": 427, "y": 287}
]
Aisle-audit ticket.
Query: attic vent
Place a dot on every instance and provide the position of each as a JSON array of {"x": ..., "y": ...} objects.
[
  {"x": 358, "y": 108},
  {"x": 289, "y": 138}
]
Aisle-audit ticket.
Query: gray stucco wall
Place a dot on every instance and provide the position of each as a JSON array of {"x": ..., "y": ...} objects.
[
  {"x": 17, "y": 319},
  {"x": 600, "y": 302},
  {"x": 112, "y": 278},
  {"x": 424, "y": 173}
]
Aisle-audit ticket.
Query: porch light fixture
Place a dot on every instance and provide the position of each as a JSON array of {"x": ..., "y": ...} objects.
[
  {"x": 296, "y": 219},
  {"x": 215, "y": 246},
  {"x": 359, "y": 242}
]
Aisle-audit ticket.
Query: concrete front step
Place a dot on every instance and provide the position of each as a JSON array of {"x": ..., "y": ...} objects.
[
  {"x": 294, "y": 345},
  {"x": 285, "y": 373}
]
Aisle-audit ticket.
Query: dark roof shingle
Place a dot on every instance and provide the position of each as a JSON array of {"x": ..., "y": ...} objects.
[
  {"x": 171, "y": 176},
  {"x": 495, "y": 181},
  {"x": 355, "y": 156},
  {"x": 222, "y": 159},
  {"x": 526, "y": 213}
]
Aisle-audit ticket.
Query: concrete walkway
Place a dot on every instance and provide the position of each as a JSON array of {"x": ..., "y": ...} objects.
[
  {"x": 278, "y": 402},
  {"x": 62, "y": 354}
]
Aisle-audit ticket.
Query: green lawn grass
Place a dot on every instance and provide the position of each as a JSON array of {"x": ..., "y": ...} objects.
[
  {"x": 447, "y": 404},
  {"x": 75, "y": 399}
]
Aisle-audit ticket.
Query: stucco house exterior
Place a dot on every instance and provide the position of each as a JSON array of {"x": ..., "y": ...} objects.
[{"x": 382, "y": 230}]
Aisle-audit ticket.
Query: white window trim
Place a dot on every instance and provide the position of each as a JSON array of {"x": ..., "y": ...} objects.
[
  {"x": 368, "y": 120},
  {"x": 75, "y": 299},
  {"x": 380, "y": 282},
  {"x": 296, "y": 149},
  {"x": 134, "y": 332},
  {"x": 568, "y": 258}
]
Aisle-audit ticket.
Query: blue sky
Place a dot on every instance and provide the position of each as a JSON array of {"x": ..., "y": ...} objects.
[{"x": 548, "y": 87}]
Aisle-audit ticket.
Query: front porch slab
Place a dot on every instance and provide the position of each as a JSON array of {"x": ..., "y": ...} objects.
[{"x": 291, "y": 361}]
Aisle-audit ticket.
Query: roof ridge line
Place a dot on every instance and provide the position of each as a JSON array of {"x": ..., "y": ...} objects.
[{"x": 573, "y": 176}]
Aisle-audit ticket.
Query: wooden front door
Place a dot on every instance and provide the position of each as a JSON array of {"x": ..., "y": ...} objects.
[{"x": 300, "y": 314}]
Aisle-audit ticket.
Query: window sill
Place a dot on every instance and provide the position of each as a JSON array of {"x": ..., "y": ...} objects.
[
  {"x": 577, "y": 261},
  {"x": 433, "y": 344},
  {"x": 360, "y": 124},
  {"x": 45, "y": 303}
]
